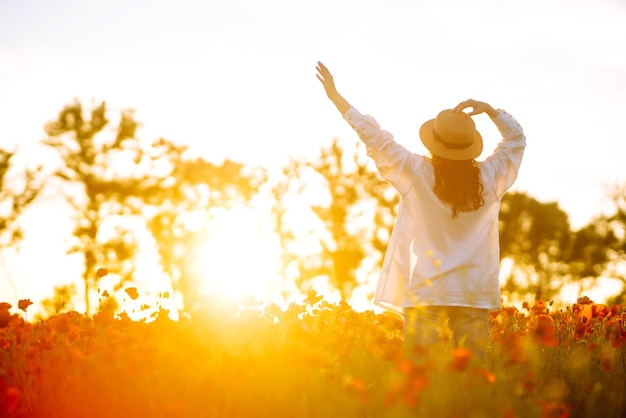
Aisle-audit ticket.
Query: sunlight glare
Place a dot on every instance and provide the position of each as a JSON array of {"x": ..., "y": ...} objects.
[{"x": 239, "y": 257}]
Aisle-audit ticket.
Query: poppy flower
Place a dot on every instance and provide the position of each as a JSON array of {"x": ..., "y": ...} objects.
[
  {"x": 487, "y": 375},
  {"x": 554, "y": 409},
  {"x": 5, "y": 318},
  {"x": 461, "y": 357},
  {"x": 544, "y": 331},
  {"x": 582, "y": 328},
  {"x": 358, "y": 387},
  {"x": 510, "y": 310},
  {"x": 615, "y": 332},
  {"x": 23, "y": 304},
  {"x": 539, "y": 307},
  {"x": 132, "y": 292},
  {"x": 60, "y": 324},
  {"x": 101, "y": 272},
  {"x": 600, "y": 311},
  {"x": 11, "y": 399},
  {"x": 528, "y": 382}
]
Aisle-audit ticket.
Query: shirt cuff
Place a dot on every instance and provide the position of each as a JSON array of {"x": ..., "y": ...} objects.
[
  {"x": 510, "y": 129},
  {"x": 352, "y": 114}
]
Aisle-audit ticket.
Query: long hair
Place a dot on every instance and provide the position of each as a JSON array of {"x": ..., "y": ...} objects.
[{"x": 457, "y": 183}]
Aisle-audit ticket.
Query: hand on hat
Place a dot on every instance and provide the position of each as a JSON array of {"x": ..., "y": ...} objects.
[{"x": 477, "y": 108}]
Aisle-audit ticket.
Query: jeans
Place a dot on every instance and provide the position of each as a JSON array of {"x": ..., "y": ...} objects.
[{"x": 425, "y": 326}]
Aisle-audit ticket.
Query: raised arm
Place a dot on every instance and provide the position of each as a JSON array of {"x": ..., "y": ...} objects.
[
  {"x": 503, "y": 165},
  {"x": 326, "y": 78}
]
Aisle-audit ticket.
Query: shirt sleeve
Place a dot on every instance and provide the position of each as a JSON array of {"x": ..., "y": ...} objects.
[
  {"x": 506, "y": 159},
  {"x": 393, "y": 161}
]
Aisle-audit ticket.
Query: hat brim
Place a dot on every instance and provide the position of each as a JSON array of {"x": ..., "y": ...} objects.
[{"x": 436, "y": 147}]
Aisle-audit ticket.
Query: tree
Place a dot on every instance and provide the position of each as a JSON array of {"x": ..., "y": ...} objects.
[
  {"x": 96, "y": 191},
  {"x": 19, "y": 187},
  {"x": 119, "y": 188},
  {"x": 617, "y": 221},
  {"x": 354, "y": 209},
  {"x": 600, "y": 246},
  {"x": 17, "y": 192},
  {"x": 183, "y": 214},
  {"x": 538, "y": 238}
]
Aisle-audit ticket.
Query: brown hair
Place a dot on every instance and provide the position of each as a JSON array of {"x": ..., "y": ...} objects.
[{"x": 457, "y": 183}]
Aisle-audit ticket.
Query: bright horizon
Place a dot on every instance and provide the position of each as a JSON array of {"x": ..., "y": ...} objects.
[{"x": 236, "y": 79}]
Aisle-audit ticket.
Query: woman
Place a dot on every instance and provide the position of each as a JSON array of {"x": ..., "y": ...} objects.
[{"x": 442, "y": 260}]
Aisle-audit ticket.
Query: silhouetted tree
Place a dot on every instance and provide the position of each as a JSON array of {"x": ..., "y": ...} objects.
[
  {"x": 600, "y": 246},
  {"x": 538, "y": 238},
  {"x": 592, "y": 247},
  {"x": 355, "y": 209},
  {"x": 617, "y": 221},
  {"x": 100, "y": 186},
  {"x": 180, "y": 221},
  {"x": 119, "y": 186},
  {"x": 17, "y": 191}
]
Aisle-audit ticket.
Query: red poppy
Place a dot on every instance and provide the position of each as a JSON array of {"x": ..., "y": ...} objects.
[
  {"x": 554, "y": 410},
  {"x": 60, "y": 324},
  {"x": 510, "y": 310},
  {"x": 539, "y": 307},
  {"x": 11, "y": 399},
  {"x": 101, "y": 272},
  {"x": 600, "y": 311},
  {"x": 461, "y": 357},
  {"x": 615, "y": 332},
  {"x": 358, "y": 387},
  {"x": 5, "y": 318},
  {"x": 543, "y": 331},
  {"x": 488, "y": 376},
  {"x": 132, "y": 292},
  {"x": 582, "y": 327},
  {"x": 529, "y": 381},
  {"x": 23, "y": 304}
]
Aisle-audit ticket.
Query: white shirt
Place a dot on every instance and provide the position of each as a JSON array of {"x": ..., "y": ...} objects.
[{"x": 431, "y": 258}]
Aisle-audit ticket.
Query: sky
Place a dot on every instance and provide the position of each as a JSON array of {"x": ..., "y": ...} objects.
[{"x": 236, "y": 78}]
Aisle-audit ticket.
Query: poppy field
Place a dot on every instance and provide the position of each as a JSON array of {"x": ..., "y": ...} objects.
[{"x": 313, "y": 359}]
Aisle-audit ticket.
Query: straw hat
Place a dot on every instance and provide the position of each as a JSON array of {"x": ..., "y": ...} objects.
[{"x": 452, "y": 135}]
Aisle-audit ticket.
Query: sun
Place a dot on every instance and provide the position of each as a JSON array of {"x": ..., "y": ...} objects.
[{"x": 240, "y": 256}]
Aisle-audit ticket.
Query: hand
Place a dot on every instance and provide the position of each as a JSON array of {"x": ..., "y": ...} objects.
[
  {"x": 326, "y": 78},
  {"x": 477, "y": 108}
]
